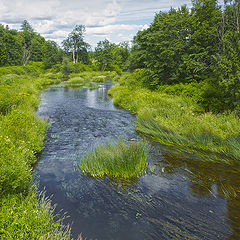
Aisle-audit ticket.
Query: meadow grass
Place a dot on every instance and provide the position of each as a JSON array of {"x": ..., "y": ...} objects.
[
  {"x": 90, "y": 79},
  {"x": 91, "y": 85},
  {"x": 94, "y": 76},
  {"x": 119, "y": 159},
  {"x": 177, "y": 121},
  {"x": 23, "y": 214},
  {"x": 30, "y": 217}
]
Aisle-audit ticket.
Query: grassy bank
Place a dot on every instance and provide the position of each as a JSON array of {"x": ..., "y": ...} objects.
[
  {"x": 117, "y": 160},
  {"x": 177, "y": 120},
  {"x": 90, "y": 79},
  {"x": 23, "y": 213}
]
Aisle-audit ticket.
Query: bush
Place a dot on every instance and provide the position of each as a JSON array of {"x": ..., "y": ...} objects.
[{"x": 31, "y": 69}]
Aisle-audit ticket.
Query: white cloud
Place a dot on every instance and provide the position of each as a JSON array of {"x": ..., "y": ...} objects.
[
  {"x": 144, "y": 27},
  {"x": 54, "y": 19}
]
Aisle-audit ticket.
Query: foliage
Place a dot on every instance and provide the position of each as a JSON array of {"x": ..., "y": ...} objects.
[
  {"x": 66, "y": 67},
  {"x": 20, "y": 47},
  {"x": 177, "y": 120},
  {"x": 197, "y": 45},
  {"x": 118, "y": 160},
  {"x": 111, "y": 57},
  {"x": 22, "y": 214},
  {"x": 26, "y": 217},
  {"x": 75, "y": 44}
]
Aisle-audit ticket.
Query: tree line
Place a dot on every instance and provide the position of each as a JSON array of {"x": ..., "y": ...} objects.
[
  {"x": 199, "y": 45},
  {"x": 20, "y": 47}
]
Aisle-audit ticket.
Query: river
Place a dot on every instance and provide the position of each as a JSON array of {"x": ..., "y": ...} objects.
[{"x": 180, "y": 197}]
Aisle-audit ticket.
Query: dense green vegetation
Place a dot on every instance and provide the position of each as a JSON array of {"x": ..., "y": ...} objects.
[
  {"x": 184, "y": 88},
  {"x": 177, "y": 120},
  {"x": 117, "y": 160},
  {"x": 198, "y": 45},
  {"x": 23, "y": 213},
  {"x": 20, "y": 47},
  {"x": 186, "y": 92}
]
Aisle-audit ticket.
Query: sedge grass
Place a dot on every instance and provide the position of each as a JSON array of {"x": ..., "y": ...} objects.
[
  {"x": 116, "y": 160},
  {"x": 176, "y": 121},
  {"x": 23, "y": 215}
]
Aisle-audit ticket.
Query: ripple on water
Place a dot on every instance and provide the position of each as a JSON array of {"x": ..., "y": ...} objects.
[{"x": 178, "y": 198}]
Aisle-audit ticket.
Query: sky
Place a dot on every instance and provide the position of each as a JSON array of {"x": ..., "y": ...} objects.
[{"x": 115, "y": 20}]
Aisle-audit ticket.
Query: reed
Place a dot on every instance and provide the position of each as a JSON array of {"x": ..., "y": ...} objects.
[
  {"x": 119, "y": 159},
  {"x": 177, "y": 121}
]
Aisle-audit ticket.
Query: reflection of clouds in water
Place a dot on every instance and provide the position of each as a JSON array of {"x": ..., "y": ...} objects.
[
  {"x": 98, "y": 99},
  {"x": 81, "y": 118},
  {"x": 155, "y": 183},
  {"x": 91, "y": 98}
]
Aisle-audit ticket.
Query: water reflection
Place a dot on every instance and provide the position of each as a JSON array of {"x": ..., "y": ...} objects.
[
  {"x": 179, "y": 197},
  {"x": 211, "y": 178}
]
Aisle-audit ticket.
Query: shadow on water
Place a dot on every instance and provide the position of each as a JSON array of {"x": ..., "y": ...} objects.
[{"x": 179, "y": 197}]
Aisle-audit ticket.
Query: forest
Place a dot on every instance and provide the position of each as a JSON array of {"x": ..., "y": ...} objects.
[{"x": 180, "y": 76}]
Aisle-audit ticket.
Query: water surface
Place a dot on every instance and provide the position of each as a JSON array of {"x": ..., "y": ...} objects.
[{"x": 180, "y": 197}]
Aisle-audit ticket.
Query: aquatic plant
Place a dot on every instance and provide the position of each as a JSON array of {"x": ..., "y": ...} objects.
[
  {"x": 94, "y": 76},
  {"x": 119, "y": 159},
  {"x": 178, "y": 121},
  {"x": 75, "y": 81},
  {"x": 91, "y": 85}
]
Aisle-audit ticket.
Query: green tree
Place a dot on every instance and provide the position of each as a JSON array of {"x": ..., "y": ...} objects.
[
  {"x": 110, "y": 56},
  {"x": 75, "y": 44},
  {"x": 27, "y": 35},
  {"x": 162, "y": 46},
  {"x": 51, "y": 54}
]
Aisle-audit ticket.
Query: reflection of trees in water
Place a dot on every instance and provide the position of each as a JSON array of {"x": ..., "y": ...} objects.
[{"x": 211, "y": 178}]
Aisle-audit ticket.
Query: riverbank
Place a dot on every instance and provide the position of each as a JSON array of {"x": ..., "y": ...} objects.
[
  {"x": 177, "y": 120},
  {"x": 24, "y": 212}
]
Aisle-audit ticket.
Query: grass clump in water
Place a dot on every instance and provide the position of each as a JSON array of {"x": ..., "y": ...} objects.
[
  {"x": 117, "y": 160},
  {"x": 92, "y": 85}
]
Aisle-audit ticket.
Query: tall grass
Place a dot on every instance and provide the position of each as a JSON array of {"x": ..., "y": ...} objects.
[
  {"x": 30, "y": 217},
  {"x": 94, "y": 76},
  {"x": 23, "y": 215},
  {"x": 175, "y": 120},
  {"x": 117, "y": 160}
]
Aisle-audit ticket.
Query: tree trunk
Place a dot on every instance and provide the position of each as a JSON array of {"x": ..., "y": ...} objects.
[
  {"x": 26, "y": 55},
  {"x": 73, "y": 53},
  {"x": 237, "y": 15}
]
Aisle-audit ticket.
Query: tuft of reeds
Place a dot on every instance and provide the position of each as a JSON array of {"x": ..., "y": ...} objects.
[
  {"x": 177, "y": 121},
  {"x": 92, "y": 85},
  {"x": 119, "y": 159}
]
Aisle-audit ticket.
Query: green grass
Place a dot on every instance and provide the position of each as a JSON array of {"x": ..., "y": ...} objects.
[
  {"x": 90, "y": 79},
  {"x": 93, "y": 76},
  {"x": 23, "y": 214},
  {"x": 119, "y": 159},
  {"x": 91, "y": 85},
  {"x": 176, "y": 121},
  {"x": 30, "y": 217}
]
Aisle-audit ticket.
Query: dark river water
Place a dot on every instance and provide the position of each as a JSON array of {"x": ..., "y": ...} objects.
[{"x": 180, "y": 197}]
